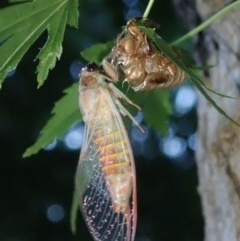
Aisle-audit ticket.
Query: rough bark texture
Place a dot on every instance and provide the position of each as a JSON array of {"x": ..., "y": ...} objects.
[
  {"x": 218, "y": 149},
  {"x": 218, "y": 152}
]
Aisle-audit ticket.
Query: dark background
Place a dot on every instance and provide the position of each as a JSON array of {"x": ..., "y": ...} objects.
[{"x": 168, "y": 204}]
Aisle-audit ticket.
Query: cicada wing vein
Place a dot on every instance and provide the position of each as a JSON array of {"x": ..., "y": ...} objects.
[{"x": 96, "y": 203}]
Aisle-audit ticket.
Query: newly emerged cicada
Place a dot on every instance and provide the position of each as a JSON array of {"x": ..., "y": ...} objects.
[
  {"x": 143, "y": 67},
  {"x": 106, "y": 179}
]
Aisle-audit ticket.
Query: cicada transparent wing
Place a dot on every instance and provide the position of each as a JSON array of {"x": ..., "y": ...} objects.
[{"x": 106, "y": 172}]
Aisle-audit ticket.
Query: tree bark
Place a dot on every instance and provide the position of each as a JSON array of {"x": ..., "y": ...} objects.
[
  {"x": 218, "y": 150},
  {"x": 218, "y": 144}
]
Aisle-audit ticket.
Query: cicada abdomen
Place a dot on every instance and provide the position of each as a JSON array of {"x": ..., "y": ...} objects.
[
  {"x": 142, "y": 66},
  {"x": 106, "y": 171}
]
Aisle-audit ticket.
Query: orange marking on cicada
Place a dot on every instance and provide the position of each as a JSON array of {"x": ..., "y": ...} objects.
[
  {"x": 113, "y": 158},
  {"x": 113, "y": 168},
  {"x": 103, "y": 151},
  {"x": 110, "y": 146},
  {"x": 109, "y": 136}
]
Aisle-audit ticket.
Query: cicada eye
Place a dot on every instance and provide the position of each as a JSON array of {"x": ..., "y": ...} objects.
[{"x": 92, "y": 67}]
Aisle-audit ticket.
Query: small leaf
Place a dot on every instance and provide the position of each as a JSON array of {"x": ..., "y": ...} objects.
[
  {"x": 97, "y": 52},
  {"x": 65, "y": 113},
  {"x": 156, "y": 109},
  {"x": 22, "y": 24}
]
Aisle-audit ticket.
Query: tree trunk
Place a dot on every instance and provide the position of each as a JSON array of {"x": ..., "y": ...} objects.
[{"x": 218, "y": 146}]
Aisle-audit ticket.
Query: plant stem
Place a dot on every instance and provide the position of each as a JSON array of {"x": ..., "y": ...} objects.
[
  {"x": 148, "y": 8},
  {"x": 206, "y": 23}
]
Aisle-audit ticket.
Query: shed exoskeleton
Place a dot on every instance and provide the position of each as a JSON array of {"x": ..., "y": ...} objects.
[{"x": 139, "y": 63}]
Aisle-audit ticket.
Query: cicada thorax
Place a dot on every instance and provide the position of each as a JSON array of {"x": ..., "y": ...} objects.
[{"x": 142, "y": 66}]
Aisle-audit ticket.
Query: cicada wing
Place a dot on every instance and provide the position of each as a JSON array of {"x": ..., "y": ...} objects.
[{"x": 95, "y": 200}]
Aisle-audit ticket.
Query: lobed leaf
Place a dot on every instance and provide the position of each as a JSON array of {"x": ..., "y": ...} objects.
[
  {"x": 64, "y": 114},
  {"x": 20, "y": 26}
]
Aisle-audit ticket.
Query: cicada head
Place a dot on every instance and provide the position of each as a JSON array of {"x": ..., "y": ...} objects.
[{"x": 90, "y": 77}]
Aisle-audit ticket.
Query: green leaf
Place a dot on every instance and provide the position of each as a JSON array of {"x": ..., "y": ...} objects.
[
  {"x": 65, "y": 113},
  {"x": 72, "y": 13},
  {"x": 97, "y": 52},
  {"x": 156, "y": 109},
  {"x": 22, "y": 24},
  {"x": 168, "y": 51}
]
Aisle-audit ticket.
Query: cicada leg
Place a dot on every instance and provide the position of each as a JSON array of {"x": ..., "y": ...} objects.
[
  {"x": 110, "y": 70},
  {"x": 120, "y": 95},
  {"x": 121, "y": 108}
]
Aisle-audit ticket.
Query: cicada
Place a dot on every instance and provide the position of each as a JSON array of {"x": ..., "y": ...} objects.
[
  {"x": 142, "y": 66},
  {"x": 106, "y": 178}
]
